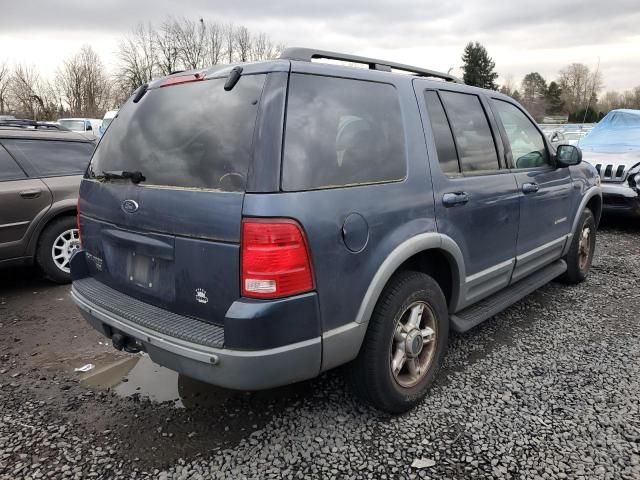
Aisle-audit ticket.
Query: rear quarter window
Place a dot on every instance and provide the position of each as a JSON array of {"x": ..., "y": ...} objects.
[
  {"x": 9, "y": 169},
  {"x": 341, "y": 132},
  {"x": 50, "y": 158}
]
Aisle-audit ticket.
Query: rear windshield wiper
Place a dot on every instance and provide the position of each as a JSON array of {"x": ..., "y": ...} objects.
[{"x": 135, "y": 176}]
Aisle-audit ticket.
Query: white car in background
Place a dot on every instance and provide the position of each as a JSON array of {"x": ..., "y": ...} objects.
[
  {"x": 82, "y": 125},
  {"x": 106, "y": 120}
]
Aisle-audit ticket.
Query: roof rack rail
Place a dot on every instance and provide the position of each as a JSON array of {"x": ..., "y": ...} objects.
[
  {"x": 17, "y": 122},
  {"x": 309, "y": 54}
]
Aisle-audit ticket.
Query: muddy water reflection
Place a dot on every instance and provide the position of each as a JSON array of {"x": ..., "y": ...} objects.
[{"x": 158, "y": 384}]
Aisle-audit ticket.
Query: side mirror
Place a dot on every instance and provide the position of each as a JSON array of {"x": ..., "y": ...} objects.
[
  {"x": 89, "y": 128},
  {"x": 568, "y": 155}
]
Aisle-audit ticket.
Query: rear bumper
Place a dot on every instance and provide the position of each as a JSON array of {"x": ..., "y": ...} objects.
[
  {"x": 236, "y": 369},
  {"x": 620, "y": 199}
]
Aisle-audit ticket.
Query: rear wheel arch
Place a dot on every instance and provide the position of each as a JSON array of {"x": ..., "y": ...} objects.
[
  {"x": 44, "y": 223},
  {"x": 426, "y": 250},
  {"x": 425, "y": 253}
]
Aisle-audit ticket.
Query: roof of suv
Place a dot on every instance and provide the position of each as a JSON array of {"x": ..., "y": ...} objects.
[{"x": 32, "y": 133}]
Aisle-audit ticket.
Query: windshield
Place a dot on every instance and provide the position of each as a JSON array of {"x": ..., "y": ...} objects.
[
  {"x": 194, "y": 135},
  {"x": 75, "y": 125}
]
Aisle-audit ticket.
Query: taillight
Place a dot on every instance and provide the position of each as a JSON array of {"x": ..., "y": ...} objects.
[
  {"x": 274, "y": 259},
  {"x": 182, "y": 79},
  {"x": 78, "y": 221}
]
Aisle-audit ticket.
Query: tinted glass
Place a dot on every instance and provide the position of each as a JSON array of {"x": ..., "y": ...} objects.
[
  {"x": 527, "y": 145},
  {"x": 49, "y": 158},
  {"x": 341, "y": 132},
  {"x": 193, "y": 135},
  {"x": 9, "y": 169},
  {"x": 473, "y": 136},
  {"x": 445, "y": 146},
  {"x": 75, "y": 125}
]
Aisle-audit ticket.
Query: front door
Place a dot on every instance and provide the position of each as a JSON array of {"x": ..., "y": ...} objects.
[
  {"x": 545, "y": 191},
  {"x": 476, "y": 198}
]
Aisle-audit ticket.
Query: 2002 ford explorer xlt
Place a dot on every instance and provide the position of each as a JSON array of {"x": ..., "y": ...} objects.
[{"x": 255, "y": 225}]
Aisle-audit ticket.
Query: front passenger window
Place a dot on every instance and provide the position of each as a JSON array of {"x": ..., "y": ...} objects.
[{"x": 527, "y": 144}]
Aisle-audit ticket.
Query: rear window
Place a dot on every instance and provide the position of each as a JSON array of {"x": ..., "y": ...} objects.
[
  {"x": 341, "y": 132},
  {"x": 51, "y": 158},
  {"x": 75, "y": 125},
  {"x": 194, "y": 135}
]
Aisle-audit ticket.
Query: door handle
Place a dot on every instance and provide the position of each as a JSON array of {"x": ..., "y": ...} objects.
[
  {"x": 530, "y": 188},
  {"x": 32, "y": 193},
  {"x": 454, "y": 199}
]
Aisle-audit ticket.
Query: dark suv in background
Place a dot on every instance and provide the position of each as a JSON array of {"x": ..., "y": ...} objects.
[
  {"x": 255, "y": 225},
  {"x": 41, "y": 167}
]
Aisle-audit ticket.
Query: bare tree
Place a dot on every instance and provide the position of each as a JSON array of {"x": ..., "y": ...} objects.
[
  {"x": 192, "y": 42},
  {"x": 243, "y": 43},
  {"x": 229, "y": 35},
  {"x": 580, "y": 86},
  {"x": 83, "y": 84},
  {"x": 5, "y": 80},
  {"x": 262, "y": 48},
  {"x": 167, "y": 47},
  {"x": 26, "y": 89},
  {"x": 215, "y": 45},
  {"x": 137, "y": 55}
]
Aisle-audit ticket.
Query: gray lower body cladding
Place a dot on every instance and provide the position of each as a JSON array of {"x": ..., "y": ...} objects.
[{"x": 202, "y": 359}]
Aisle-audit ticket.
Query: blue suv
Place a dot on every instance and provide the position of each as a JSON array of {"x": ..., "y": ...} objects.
[{"x": 256, "y": 225}]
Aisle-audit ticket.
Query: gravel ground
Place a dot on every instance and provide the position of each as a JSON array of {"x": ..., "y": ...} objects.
[{"x": 549, "y": 388}]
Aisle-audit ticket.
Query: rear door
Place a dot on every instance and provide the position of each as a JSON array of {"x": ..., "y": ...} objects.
[
  {"x": 476, "y": 198},
  {"x": 21, "y": 200},
  {"x": 545, "y": 191},
  {"x": 173, "y": 238}
]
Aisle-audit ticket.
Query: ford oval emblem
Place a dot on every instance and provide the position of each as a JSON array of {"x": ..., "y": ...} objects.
[{"x": 130, "y": 206}]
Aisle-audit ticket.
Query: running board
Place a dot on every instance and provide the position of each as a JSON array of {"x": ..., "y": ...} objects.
[{"x": 487, "y": 308}]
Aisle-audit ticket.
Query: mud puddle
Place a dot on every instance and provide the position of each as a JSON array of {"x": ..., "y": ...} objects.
[{"x": 138, "y": 376}]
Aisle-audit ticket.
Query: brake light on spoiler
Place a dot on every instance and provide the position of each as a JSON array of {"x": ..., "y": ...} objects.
[
  {"x": 275, "y": 260},
  {"x": 194, "y": 77}
]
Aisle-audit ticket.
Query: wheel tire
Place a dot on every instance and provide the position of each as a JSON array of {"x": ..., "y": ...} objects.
[
  {"x": 579, "y": 257},
  {"x": 371, "y": 373},
  {"x": 44, "y": 255}
]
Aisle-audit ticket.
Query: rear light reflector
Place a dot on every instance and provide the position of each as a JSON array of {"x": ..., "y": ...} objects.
[
  {"x": 78, "y": 221},
  {"x": 182, "y": 79},
  {"x": 275, "y": 259}
]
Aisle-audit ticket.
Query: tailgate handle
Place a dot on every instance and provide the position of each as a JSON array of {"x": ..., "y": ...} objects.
[
  {"x": 143, "y": 244},
  {"x": 31, "y": 193}
]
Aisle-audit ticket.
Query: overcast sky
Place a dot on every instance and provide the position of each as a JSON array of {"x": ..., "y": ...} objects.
[{"x": 521, "y": 35}]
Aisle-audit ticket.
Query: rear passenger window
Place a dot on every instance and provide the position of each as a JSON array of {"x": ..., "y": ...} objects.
[
  {"x": 445, "y": 146},
  {"x": 9, "y": 169},
  {"x": 471, "y": 130},
  {"x": 341, "y": 132},
  {"x": 49, "y": 158}
]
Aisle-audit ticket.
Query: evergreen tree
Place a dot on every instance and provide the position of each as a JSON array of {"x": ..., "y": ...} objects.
[
  {"x": 555, "y": 104},
  {"x": 534, "y": 87},
  {"x": 516, "y": 96},
  {"x": 478, "y": 67}
]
